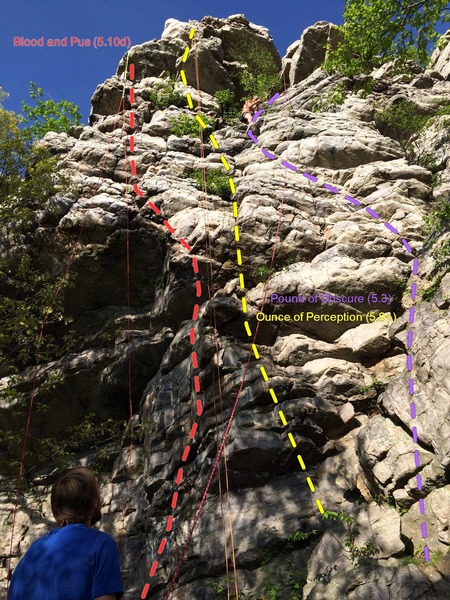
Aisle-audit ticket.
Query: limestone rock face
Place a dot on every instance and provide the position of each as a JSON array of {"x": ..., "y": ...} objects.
[
  {"x": 308, "y": 54},
  {"x": 440, "y": 61},
  {"x": 351, "y": 411}
]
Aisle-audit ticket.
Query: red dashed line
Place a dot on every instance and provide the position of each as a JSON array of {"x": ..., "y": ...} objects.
[
  {"x": 186, "y": 453},
  {"x": 185, "y": 244},
  {"x": 154, "y": 208},
  {"x": 169, "y": 226},
  {"x": 179, "y": 476},
  {"x": 137, "y": 190},
  {"x": 192, "y": 338},
  {"x": 195, "y": 312},
  {"x": 162, "y": 545}
]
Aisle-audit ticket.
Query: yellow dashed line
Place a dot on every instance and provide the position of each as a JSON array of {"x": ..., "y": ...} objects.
[
  {"x": 263, "y": 373},
  {"x": 201, "y": 121},
  {"x": 241, "y": 275},
  {"x": 310, "y": 483}
]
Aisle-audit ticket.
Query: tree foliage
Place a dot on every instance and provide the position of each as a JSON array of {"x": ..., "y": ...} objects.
[
  {"x": 48, "y": 115},
  {"x": 261, "y": 75},
  {"x": 377, "y": 31},
  {"x": 29, "y": 177}
]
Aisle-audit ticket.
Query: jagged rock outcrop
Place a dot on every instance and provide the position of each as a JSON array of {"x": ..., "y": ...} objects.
[
  {"x": 342, "y": 386},
  {"x": 304, "y": 56}
]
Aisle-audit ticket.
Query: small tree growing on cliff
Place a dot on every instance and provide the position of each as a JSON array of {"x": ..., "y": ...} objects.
[
  {"x": 48, "y": 115},
  {"x": 377, "y": 31}
]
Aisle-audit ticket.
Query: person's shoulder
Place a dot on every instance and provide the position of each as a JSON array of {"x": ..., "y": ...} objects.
[{"x": 104, "y": 539}]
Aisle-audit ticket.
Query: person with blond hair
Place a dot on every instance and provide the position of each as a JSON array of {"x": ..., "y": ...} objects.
[
  {"x": 250, "y": 107},
  {"x": 73, "y": 561}
]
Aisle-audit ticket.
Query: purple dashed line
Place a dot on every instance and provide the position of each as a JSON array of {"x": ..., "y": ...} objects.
[
  {"x": 415, "y": 271},
  {"x": 407, "y": 246},
  {"x": 311, "y": 177},
  {"x": 391, "y": 228},
  {"x": 288, "y": 165},
  {"x": 410, "y": 338},
  {"x": 268, "y": 154},
  {"x": 251, "y": 135},
  {"x": 257, "y": 115},
  {"x": 372, "y": 212},
  {"x": 352, "y": 200},
  {"x": 417, "y": 458}
]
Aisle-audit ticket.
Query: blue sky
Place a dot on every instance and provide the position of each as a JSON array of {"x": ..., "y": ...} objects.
[{"x": 73, "y": 73}]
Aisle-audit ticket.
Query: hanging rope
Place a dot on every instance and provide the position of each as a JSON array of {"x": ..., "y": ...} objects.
[
  {"x": 38, "y": 354},
  {"x": 217, "y": 370}
]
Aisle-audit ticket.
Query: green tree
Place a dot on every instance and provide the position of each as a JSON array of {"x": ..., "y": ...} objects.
[
  {"x": 261, "y": 75},
  {"x": 48, "y": 115},
  {"x": 378, "y": 31},
  {"x": 29, "y": 177}
]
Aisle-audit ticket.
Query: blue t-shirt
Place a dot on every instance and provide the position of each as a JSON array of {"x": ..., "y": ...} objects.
[{"x": 73, "y": 562}]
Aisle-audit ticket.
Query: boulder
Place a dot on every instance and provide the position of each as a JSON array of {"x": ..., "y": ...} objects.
[
  {"x": 311, "y": 51},
  {"x": 440, "y": 60}
]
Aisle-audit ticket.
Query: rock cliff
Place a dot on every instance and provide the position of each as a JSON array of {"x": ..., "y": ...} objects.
[{"x": 364, "y": 426}]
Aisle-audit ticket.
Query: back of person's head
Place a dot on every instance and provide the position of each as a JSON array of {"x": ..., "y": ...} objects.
[{"x": 75, "y": 497}]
